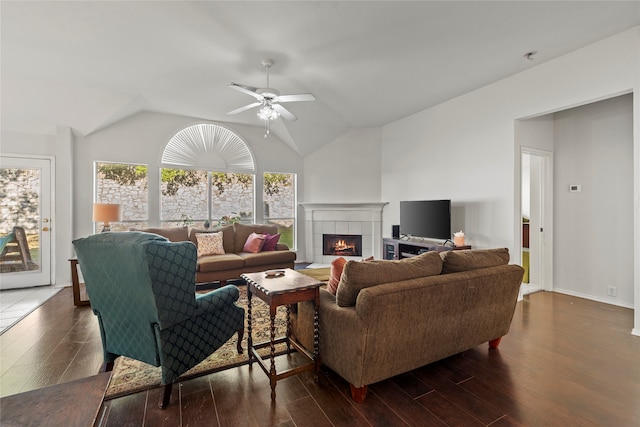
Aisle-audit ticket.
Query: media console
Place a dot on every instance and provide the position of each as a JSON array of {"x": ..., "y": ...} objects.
[{"x": 399, "y": 248}]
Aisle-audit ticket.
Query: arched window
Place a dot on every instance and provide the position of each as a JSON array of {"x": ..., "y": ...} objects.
[
  {"x": 208, "y": 173},
  {"x": 209, "y": 146}
]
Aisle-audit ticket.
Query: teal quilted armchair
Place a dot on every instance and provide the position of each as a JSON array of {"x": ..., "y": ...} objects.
[{"x": 142, "y": 288}]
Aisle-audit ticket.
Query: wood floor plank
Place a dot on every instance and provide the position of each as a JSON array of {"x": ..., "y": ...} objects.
[
  {"x": 403, "y": 405},
  {"x": 450, "y": 413},
  {"x": 340, "y": 410},
  {"x": 126, "y": 411},
  {"x": 431, "y": 374},
  {"x": 306, "y": 412},
  {"x": 411, "y": 385},
  {"x": 156, "y": 417},
  {"x": 374, "y": 410},
  {"x": 197, "y": 409}
]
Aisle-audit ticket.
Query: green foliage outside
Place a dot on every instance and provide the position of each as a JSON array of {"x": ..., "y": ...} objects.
[
  {"x": 177, "y": 178},
  {"x": 125, "y": 174},
  {"x": 220, "y": 180},
  {"x": 286, "y": 235},
  {"x": 273, "y": 182}
]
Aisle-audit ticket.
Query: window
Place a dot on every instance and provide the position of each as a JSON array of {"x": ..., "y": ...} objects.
[
  {"x": 209, "y": 175},
  {"x": 125, "y": 184},
  {"x": 195, "y": 197},
  {"x": 279, "y": 198}
]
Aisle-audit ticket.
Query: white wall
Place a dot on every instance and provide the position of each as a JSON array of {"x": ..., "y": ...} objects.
[
  {"x": 593, "y": 241},
  {"x": 346, "y": 170},
  {"x": 465, "y": 149}
]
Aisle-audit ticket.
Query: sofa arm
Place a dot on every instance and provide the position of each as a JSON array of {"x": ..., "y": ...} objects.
[{"x": 282, "y": 247}]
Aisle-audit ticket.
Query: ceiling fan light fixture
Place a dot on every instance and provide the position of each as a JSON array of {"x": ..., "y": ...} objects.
[{"x": 268, "y": 113}]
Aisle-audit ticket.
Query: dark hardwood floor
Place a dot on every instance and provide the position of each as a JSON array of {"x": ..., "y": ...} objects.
[{"x": 566, "y": 362}]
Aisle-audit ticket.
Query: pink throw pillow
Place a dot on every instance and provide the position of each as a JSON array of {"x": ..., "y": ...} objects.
[
  {"x": 254, "y": 243},
  {"x": 270, "y": 242},
  {"x": 337, "y": 265}
]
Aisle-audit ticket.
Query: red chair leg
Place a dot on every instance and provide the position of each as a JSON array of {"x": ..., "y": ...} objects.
[
  {"x": 358, "y": 394},
  {"x": 495, "y": 343}
]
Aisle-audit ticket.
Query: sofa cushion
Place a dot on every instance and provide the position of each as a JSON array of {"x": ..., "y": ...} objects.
[
  {"x": 267, "y": 258},
  {"x": 174, "y": 234},
  {"x": 242, "y": 231},
  {"x": 219, "y": 262},
  {"x": 254, "y": 243},
  {"x": 457, "y": 261},
  {"x": 210, "y": 243},
  {"x": 228, "y": 241},
  {"x": 270, "y": 242},
  {"x": 360, "y": 275}
]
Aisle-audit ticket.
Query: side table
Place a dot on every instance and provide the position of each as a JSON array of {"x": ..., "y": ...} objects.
[
  {"x": 75, "y": 284},
  {"x": 289, "y": 288}
]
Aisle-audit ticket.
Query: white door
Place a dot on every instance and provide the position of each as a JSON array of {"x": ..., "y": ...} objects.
[
  {"x": 25, "y": 221},
  {"x": 538, "y": 198}
]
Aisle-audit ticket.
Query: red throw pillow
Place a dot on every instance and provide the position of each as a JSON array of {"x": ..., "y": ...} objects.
[
  {"x": 254, "y": 243},
  {"x": 337, "y": 265},
  {"x": 270, "y": 242}
]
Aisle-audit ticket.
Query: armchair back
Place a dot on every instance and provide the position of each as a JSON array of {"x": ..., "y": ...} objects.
[{"x": 125, "y": 275}]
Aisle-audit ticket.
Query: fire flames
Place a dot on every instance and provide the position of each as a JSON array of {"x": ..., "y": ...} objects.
[{"x": 342, "y": 245}]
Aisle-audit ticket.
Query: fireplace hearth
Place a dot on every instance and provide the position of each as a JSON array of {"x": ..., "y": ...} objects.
[{"x": 342, "y": 244}]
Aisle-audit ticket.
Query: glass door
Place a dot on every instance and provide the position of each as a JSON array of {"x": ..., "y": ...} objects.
[{"x": 25, "y": 222}]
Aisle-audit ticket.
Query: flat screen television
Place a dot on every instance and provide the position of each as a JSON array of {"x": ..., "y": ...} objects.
[{"x": 426, "y": 218}]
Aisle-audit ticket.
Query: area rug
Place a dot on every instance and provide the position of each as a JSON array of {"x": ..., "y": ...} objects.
[{"x": 131, "y": 376}]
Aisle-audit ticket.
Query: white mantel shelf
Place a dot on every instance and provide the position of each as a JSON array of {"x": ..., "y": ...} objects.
[
  {"x": 339, "y": 206},
  {"x": 364, "y": 218}
]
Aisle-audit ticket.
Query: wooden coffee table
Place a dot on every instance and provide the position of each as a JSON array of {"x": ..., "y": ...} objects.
[{"x": 290, "y": 288}]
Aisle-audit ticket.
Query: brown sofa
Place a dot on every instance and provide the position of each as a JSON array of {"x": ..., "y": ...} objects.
[
  {"x": 390, "y": 317},
  {"x": 234, "y": 261}
]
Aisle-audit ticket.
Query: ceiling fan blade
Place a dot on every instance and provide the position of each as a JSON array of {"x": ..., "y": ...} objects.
[
  {"x": 286, "y": 114},
  {"x": 245, "y": 108},
  {"x": 297, "y": 97},
  {"x": 249, "y": 90}
]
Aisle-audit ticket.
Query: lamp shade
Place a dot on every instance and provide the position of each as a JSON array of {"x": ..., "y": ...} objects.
[{"x": 107, "y": 212}]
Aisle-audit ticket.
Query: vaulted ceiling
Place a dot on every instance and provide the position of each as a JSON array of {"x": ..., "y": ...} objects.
[{"x": 87, "y": 64}]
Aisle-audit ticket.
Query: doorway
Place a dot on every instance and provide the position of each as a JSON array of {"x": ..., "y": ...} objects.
[
  {"x": 25, "y": 224},
  {"x": 537, "y": 219}
]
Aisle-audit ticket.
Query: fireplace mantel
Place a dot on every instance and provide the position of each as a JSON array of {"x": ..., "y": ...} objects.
[
  {"x": 311, "y": 206},
  {"x": 363, "y": 218}
]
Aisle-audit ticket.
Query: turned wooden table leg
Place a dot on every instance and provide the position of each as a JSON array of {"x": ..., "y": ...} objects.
[
  {"x": 316, "y": 341},
  {"x": 249, "y": 322},
  {"x": 272, "y": 348}
]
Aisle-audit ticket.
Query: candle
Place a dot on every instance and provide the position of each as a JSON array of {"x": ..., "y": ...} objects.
[{"x": 458, "y": 238}]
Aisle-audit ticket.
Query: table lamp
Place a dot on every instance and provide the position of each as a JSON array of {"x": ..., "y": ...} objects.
[{"x": 107, "y": 213}]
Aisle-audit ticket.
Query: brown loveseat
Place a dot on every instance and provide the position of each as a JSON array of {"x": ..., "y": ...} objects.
[
  {"x": 390, "y": 317},
  {"x": 234, "y": 261}
]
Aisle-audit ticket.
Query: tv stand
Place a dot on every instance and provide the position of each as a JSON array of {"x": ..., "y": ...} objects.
[{"x": 400, "y": 248}]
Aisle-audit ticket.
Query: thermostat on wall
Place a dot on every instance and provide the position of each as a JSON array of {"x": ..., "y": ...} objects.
[{"x": 575, "y": 188}]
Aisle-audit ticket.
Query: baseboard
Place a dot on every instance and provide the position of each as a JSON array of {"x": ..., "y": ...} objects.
[{"x": 592, "y": 298}]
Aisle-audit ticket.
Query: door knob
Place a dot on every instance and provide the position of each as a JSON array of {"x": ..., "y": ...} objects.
[
  {"x": 45, "y": 229},
  {"x": 45, "y": 220}
]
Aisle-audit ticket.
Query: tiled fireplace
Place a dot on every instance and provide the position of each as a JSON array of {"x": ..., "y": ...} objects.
[{"x": 350, "y": 230}]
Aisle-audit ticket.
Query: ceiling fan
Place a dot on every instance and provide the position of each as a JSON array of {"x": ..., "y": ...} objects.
[{"x": 269, "y": 99}]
